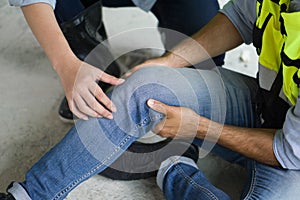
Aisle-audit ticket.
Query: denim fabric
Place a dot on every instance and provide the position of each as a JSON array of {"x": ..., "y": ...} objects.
[
  {"x": 182, "y": 180},
  {"x": 92, "y": 145},
  {"x": 186, "y": 17},
  {"x": 168, "y": 164}
]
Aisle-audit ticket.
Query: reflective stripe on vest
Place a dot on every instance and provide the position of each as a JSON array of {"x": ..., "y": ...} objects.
[{"x": 276, "y": 36}]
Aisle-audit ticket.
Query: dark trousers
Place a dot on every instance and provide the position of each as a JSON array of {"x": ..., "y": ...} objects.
[{"x": 184, "y": 16}]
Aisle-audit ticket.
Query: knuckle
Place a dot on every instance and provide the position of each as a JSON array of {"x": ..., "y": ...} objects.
[
  {"x": 98, "y": 91},
  {"x": 81, "y": 107},
  {"x": 100, "y": 94},
  {"x": 90, "y": 100},
  {"x": 107, "y": 102}
]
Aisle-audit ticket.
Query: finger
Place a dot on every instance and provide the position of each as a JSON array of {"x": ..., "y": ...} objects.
[
  {"x": 79, "y": 114},
  {"x": 104, "y": 77},
  {"x": 83, "y": 107},
  {"x": 101, "y": 96},
  {"x": 166, "y": 133},
  {"x": 159, "y": 106},
  {"x": 93, "y": 104},
  {"x": 76, "y": 112}
]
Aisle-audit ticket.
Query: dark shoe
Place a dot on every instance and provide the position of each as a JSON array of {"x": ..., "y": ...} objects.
[
  {"x": 85, "y": 31},
  {"x": 6, "y": 197},
  {"x": 64, "y": 112},
  {"x": 142, "y": 161}
]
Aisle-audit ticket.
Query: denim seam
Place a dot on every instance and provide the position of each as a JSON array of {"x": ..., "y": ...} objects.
[
  {"x": 144, "y": 122},
  {"x": 253, "y": 180},
  {"x": 194, "y": 184},
  {"x": 169, "y": 164},
  {"x": 76, "y": 182}
]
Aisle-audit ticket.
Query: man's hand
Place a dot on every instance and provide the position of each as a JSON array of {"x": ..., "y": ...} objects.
[
  {"x": 183, "y": 122},
  {"x": 79, "y": 81},
  {"x": 180, "y": 122},
  {"x": 161, "y": 61}
]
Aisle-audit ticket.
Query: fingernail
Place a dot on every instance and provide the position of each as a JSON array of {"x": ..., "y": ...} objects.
[
  {"x": 110, "y": 117},
  {"x": 113, "y": 108},
  {"x": 150, "y": 102},
  {"x": 121, "y": 80}
]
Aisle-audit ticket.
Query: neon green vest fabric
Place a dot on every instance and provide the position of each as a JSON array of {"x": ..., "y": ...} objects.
[{"x": 277, "y": 38}]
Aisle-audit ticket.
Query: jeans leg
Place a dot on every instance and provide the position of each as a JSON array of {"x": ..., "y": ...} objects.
[
  {"x": 263, "y": 182},
  {"x": 186, "y": 17},
  {"x": 84, "y": 151},
  {"x": 92, "y": 145},
  {"x": 183, "y": 180},
  {"x": 187, "y": 182},
  {"x": 271, "y": 183}
]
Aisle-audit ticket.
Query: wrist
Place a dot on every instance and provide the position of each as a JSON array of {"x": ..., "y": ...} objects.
[
  {"x": 66, "y": 63},
  {"x": 209, "y": 129},
  {"x": 202, "y": 127},
  {"x": 175, "y": 60}
]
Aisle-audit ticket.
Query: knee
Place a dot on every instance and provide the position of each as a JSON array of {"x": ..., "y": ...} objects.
[
  {"x": 140, "y": 84},
  {"x": 170, "y": 85},
  {"x": 150, "y": 74}
]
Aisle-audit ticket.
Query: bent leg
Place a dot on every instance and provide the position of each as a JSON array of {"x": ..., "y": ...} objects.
[
  {"x": 179, "y": 178},
  {"x": 92, "y": 145},
  {"x": 271, "y": 183}
]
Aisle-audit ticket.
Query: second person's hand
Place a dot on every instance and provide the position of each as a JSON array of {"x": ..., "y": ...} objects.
[{"x": 79, "y": 80}]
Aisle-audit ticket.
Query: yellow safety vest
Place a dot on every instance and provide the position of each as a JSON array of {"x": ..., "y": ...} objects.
[{"x": 276, "y": 36}]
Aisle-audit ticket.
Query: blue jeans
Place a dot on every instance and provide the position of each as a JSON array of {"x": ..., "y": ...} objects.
[
  {"x": 186, "y": 17},
  {"x": 180, "y": 178},
  {"x": 90, "y": 146}
]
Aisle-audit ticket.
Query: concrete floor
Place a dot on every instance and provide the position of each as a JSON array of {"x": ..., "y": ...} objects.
[{"x": 31, "y": 92}]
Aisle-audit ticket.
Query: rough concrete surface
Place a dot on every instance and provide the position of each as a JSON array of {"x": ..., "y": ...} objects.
[{"x": 30, "y": 93}]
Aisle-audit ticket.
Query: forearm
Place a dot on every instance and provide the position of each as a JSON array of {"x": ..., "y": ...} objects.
[
  {"x": 79, "y": 79},
  {"x": 42, "y": 22},
  {"x": 254, "y": 143},
  {"x": 217, "y": 37}
]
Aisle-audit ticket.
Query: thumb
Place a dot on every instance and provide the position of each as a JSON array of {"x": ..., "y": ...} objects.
[{"x": 158, "y": 106}]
